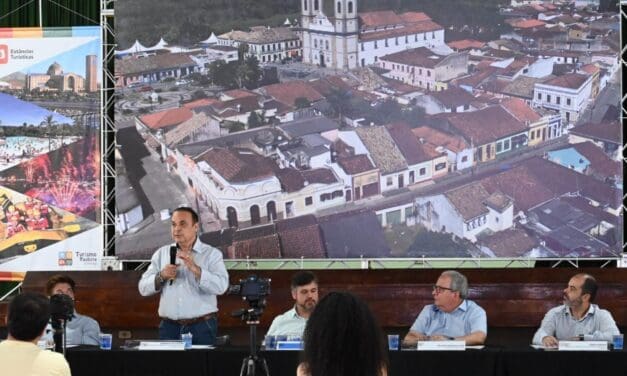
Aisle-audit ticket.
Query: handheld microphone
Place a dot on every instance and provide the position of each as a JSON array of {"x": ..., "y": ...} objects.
[{"x": 173, "y": 250}]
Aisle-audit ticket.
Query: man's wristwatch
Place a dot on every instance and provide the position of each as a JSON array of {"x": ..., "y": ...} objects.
[{"x": 160, "y": 279}]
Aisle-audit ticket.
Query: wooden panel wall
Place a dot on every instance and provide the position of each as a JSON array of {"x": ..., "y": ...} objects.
[{"x": 511, "y": 297}]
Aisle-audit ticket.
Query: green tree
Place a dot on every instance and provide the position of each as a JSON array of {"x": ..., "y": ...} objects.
[
  {"x": 302, "y": 102},
  {"x": 49, "y": 123},
  {"x": 242, "y": 50},
  {"x": 255, "y": 120},
  {"x": 339, "y": 99}
]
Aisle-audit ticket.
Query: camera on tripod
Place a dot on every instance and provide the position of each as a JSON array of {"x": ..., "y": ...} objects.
[
  {"x": 254, "y": 290},
  {"x": 61, "y": 310}
]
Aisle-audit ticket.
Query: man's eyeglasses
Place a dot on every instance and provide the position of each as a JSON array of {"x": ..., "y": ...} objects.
[{"x": 440, "y": 289}]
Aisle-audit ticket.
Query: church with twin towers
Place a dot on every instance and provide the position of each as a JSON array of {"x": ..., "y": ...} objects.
[{"x": 336, "y": 35}]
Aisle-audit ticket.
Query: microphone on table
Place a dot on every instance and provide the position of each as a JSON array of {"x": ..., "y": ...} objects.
[{"x": 173, "y": 250}]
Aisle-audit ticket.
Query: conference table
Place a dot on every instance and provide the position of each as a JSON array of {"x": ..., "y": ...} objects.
[{"x": 227, "y": 361}]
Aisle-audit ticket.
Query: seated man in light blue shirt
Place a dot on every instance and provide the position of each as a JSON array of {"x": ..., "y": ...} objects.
[
  {"x": 451, "y": 316},
  {"x": 305, "y": 294},
  {"x": 81, "y": 330},
  {"x": 577, "y": 318}
]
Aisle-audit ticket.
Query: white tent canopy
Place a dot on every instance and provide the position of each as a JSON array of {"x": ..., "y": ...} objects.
[
  {"x": 135, "y": 48},
  {"x": 211, "y": 40}
]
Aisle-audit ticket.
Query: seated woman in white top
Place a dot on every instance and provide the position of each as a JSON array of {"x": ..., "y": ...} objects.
[{"x": 342, "y": 338}]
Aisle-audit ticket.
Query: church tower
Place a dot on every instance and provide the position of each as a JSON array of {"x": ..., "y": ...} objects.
[
  {"x": 346, "y": 33},
  {"x": 330, "y": 40}
]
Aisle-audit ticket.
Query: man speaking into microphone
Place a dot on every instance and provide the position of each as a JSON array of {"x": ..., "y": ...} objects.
[{"x": 189, "y": 275}]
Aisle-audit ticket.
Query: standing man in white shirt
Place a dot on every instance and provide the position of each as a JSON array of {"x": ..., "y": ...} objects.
[
  {"x": 188, "y": 288},
  {"x": 305, "y": 294}
]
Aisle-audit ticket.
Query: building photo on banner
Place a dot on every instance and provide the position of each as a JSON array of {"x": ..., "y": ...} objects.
[
  {"x": 50, "y": 157},
  {"x": 371, "y": 129}
]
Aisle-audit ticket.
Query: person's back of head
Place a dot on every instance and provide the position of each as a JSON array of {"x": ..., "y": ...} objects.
[
  {"x": 342, "y": 338},
  {"x": 28, "y": 316}
]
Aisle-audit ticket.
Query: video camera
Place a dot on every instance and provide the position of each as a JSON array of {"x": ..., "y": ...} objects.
[
  {"x": 254, "y": 290},
  {"x": 61, "y": 310}
]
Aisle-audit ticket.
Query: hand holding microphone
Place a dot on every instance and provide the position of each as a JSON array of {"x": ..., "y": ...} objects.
[{"x": 173, "y": 250}]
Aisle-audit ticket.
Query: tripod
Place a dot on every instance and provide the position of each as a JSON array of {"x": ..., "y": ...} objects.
[
  {"x": 253, "y": 362},
  {"x": 59, "y": 335}
]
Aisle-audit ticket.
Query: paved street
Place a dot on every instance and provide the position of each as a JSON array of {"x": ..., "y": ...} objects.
[{"x": 157, "y": 190}]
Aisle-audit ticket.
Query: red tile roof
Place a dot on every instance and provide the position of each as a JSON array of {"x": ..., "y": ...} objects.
[
  {"x": 411, "y": 17},
  {"x": 237, "y": 165},
  {"x": 408, "y": 144},
  {"x": 419, "y": 57},
  {"x": 166, "y": 118},
  {"x": 468, "y": 200},
  {"x": 301, "y": 237},
  {"x": 600, "y": 163},
  {"x": 453, "y": 97},
  {"x": 590, "y": 69},
  {"x": 257, "y": 242},
  {"x": 409, "y": 29},
  {"x": 287, "y": 92},
  {"x": 436, "y": 138},
  {"x": 569, "y": 80},
  {"x": 486, "y": 125},
  {"x": 379, "y": 18},
  {"x": 465, "y": 44},
  {"x": 521, "y": 110},
  {"x": 293, "y": 180},
  {"x": 606, "y": 131},
  {"x": 200, "y": 103},
  {"x": 537, "y": 180},
  {"x": 356, "y": 164},
  {"x": 239, "y": 93},
  {"x": 526, "y": 24},
  {"x": 509, "y": 243}
]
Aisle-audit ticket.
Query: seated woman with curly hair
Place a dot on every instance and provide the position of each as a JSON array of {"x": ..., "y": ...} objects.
[{"x": 342, "y": 338}]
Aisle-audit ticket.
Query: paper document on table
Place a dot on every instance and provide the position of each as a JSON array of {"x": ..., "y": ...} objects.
[
  {"x": 476, "y": 347},
  {"x": 542, "y": 347},
  {"x": 161, "y": 345},
  {"x": 203, "y": 347}
]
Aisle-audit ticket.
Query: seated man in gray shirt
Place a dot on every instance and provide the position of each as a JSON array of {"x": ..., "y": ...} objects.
[
  {"x": 305, "y": 294},
  {"x": 81, "y": 330},
  {"x": 577, "y": 318}
]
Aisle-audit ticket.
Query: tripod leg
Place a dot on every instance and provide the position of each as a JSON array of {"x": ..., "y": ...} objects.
[
  {"x": 242, "y": 371},
  {"x": 251, "y": 367},
  {"x": 265, "y": 366}
]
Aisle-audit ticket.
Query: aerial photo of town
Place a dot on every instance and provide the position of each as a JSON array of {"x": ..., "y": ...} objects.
[{"x": 376, "y": 129}]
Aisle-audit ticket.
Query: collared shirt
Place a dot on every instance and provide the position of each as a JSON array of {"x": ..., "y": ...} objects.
[
  {"x": 289, "y": 324},
  {"x": 20, "y": 358},
  {"x": 597, "y": 324},
  {"x": 187, "y": 297},
  {"x": 81, "y": 330},
  {"x": 467, "y": 318}
]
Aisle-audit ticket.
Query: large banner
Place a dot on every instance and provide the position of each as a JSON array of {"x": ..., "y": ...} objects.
[
  {"x": 370, "y": 129},
  {"x": 50, "y": 201}
]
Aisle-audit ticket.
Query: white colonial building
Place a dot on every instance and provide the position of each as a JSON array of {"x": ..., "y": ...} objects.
[
  {"x": 265, "y": 43},
  {"x": 567, "y": 94},
  {"x": 466, "y": 211},
  {"x": 342, "y": 38}
]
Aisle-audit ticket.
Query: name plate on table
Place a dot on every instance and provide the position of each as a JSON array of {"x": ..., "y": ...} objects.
[
  {"x": 289, "y": 345},
  {"x": 161, "y": 345},
  {"x": 441, "y": 345},
  {"x": 582, "y": 346}
]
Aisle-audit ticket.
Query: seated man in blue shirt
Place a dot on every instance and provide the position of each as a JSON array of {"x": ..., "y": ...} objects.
[
  {"x": 451, "y": 316},
  {"x": 81, "y": 330},
  {"x": 577, "y": 318},
  {"x": 305, "y": 294}
]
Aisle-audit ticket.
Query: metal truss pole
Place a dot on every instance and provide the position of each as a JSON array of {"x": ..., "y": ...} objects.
[{"x": 107, "y": 141}]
